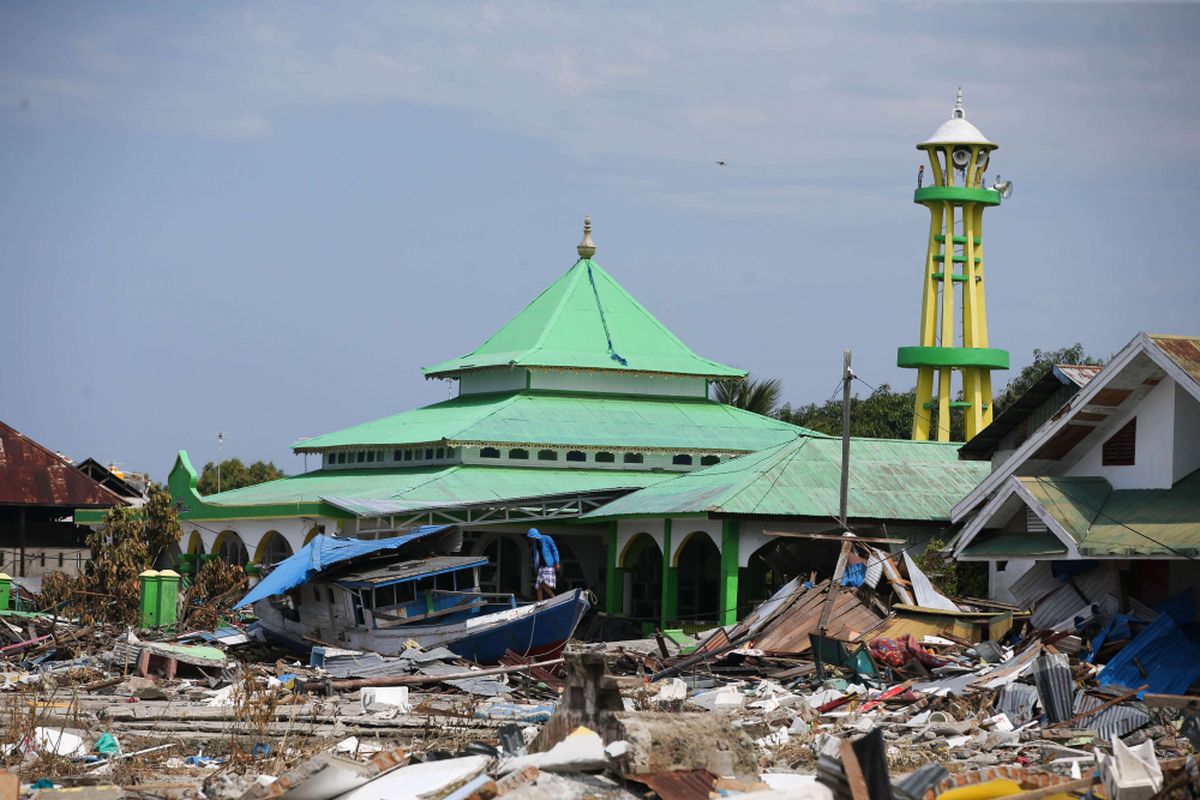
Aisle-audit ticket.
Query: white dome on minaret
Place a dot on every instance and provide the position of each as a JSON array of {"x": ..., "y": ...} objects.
[{"x": 957, "y": 130}]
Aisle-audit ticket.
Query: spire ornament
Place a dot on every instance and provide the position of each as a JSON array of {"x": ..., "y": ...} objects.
[
  {"x": 587, "y": 248},
  {"x": 958, "y": 108}
]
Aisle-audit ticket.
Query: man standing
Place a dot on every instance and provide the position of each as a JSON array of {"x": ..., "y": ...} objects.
[{"x": 546, "y": 563}]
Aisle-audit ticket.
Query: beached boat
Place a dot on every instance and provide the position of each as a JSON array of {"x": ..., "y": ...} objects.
[{"x": 380, "y": 594}]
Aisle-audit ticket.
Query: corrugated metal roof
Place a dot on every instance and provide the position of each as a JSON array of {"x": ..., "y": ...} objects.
[
  {"x": 889, "y": 479},
  {"x": 680, "y": 784},
  {"x": 586, "y": 320},
  {"x": 1124, "y": 521},
  {"x": 1073, "y": 502},
  {"x": 33, "y": 475},
  {"x": 1015, "y": 545},
  {"x": 1059, "y": 384},
  {"x": 431, "y": 487},
  {"x": 1162, "y": 656},
  {"x": 1183, "y": 350},
  {"x": 568, "y": 420}
]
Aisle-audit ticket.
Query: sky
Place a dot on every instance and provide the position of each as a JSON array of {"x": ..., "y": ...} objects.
[{"x": 263, "y": 219}]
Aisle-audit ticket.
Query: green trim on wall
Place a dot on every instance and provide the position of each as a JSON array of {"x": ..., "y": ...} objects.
[
  {"x": 727, "y": 611},
  {"x": 614, "y": 581},
  {"x": 956, "y": 194},
  {"x": 182, "y": 482},
  {"x": 982, "y": 357},
  {"x": 669, "y": 606}
]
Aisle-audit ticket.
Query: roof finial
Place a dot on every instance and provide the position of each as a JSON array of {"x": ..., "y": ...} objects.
[
  {"x": 587, "y": 248},
  {"x": 958, "y": 109}
]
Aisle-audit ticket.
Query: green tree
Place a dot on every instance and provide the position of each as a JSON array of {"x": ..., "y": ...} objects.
[
  {"x": 1043, "y": 360},
  {"x": 761, "y": 397},
  {"x": 883, "y": 414},
  {"x": 235, "y": 475},
  {"x": 122, "y": 547}
]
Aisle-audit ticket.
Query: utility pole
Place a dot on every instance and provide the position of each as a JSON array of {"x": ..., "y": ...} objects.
[
  {"x": 843, "y": 499},
  {"x": 844, "y": 495},
  {"x": 220, "y": 442}
]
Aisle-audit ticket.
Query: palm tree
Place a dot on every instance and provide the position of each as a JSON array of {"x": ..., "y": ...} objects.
[{"x": 759, "y": 397}]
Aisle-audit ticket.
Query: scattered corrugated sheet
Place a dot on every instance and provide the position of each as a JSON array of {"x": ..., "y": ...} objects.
[
  {"x": 33, "y": 475},
  {"x": 683, "y": 784},
  {"x": 782, "y": 624},
  {"x": 1054, "y": 601},
  {"x": 1115, "y": 720},
  {"x": 1016, "y": 701},
  {"x": 923, "y": 591},
  {"x": 1170, "y": 659},
  {"x": 1055, "y": 686}
]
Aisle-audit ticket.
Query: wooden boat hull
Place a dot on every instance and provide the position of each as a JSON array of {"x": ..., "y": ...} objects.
[{"x": 535, "y": 629}]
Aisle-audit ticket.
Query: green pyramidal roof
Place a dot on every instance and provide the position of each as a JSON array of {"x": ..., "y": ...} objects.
[{"x": 586, "y": 320}]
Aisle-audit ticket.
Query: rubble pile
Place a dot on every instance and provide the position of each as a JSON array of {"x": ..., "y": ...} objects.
[{"x": 824, "y": 691}]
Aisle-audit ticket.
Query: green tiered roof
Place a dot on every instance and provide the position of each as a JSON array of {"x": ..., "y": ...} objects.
[
  {"x": 889, "y": 479},
  {"x": 586, "y": 320},
  {"x": 566, "y": 420}
]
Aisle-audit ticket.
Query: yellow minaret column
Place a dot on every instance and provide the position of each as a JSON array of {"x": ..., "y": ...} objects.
[{"x": 954, "y": 336}]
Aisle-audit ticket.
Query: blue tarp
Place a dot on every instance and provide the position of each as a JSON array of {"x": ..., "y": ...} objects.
[{"x": 322, "y": 553}]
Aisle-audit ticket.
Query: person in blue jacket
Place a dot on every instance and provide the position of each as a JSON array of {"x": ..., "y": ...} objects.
[{"x": 546, "y": 563}]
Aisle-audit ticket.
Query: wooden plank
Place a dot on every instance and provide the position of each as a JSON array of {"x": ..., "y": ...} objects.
[
  {"x": 854, "y": 773},
  {"x": 1171, "y": 700}
]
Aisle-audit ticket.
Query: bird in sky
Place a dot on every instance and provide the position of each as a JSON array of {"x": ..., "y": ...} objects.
[{"x": 720, "y": 163}]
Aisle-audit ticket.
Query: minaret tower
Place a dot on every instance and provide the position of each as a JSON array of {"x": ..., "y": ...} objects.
[{"x": 958, "y": 157}]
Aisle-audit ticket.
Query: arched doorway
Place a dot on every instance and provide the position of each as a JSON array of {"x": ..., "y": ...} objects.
[
  {"x": 699, "y": 564},
  {"x": 642, "y": 561},
  {"x": 272, "y": 549},
  {"x": 230, "y": 548},
  {"x": 195, "y": 544}
]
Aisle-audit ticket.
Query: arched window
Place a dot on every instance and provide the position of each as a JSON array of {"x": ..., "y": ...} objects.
[
  {"x": 398, "y": 455},
  {"x": 633, "y": 458},
  {"x": 371, "y": 456},
  {"x": 341, "y": 458},
  {"x": 605, "y": 458},
  {"x": 362, "y": 456},
  {"x": 683, "y": 459},
  {"x": 519, "y": 453},
  {"x": 708, "y": 461},
  {"x": 331, "y": 458},
  {"x": 489, "y": 452},
  {"x": 576, "y": 455},
  {"x": 441, "y": 453},
  {"x": 547, "y": 455}
]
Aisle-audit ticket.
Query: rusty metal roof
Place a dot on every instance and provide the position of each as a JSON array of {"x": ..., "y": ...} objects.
[
  {"x": 34, "y": 475},
  {"x": 1183, "y": 350}
]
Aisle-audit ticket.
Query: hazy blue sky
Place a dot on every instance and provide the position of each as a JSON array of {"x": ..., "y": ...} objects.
[{"x": 263, "y": 219}]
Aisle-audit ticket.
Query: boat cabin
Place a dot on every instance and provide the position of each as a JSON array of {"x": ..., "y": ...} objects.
[{"x": 437, "y": 589}]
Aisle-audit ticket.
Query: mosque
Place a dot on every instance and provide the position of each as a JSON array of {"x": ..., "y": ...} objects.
[{"x": 586, "y": 417}]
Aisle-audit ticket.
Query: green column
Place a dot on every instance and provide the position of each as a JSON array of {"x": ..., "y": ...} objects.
[
  {"x": 149, "y": 581},
  {"x": 168, "y": 597},
  {"x": 670, "y": 579},
  {"x": 614, "y": 588},
  {"x": 727, "y": 610},
  {"x": 5, "y": 591}
]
